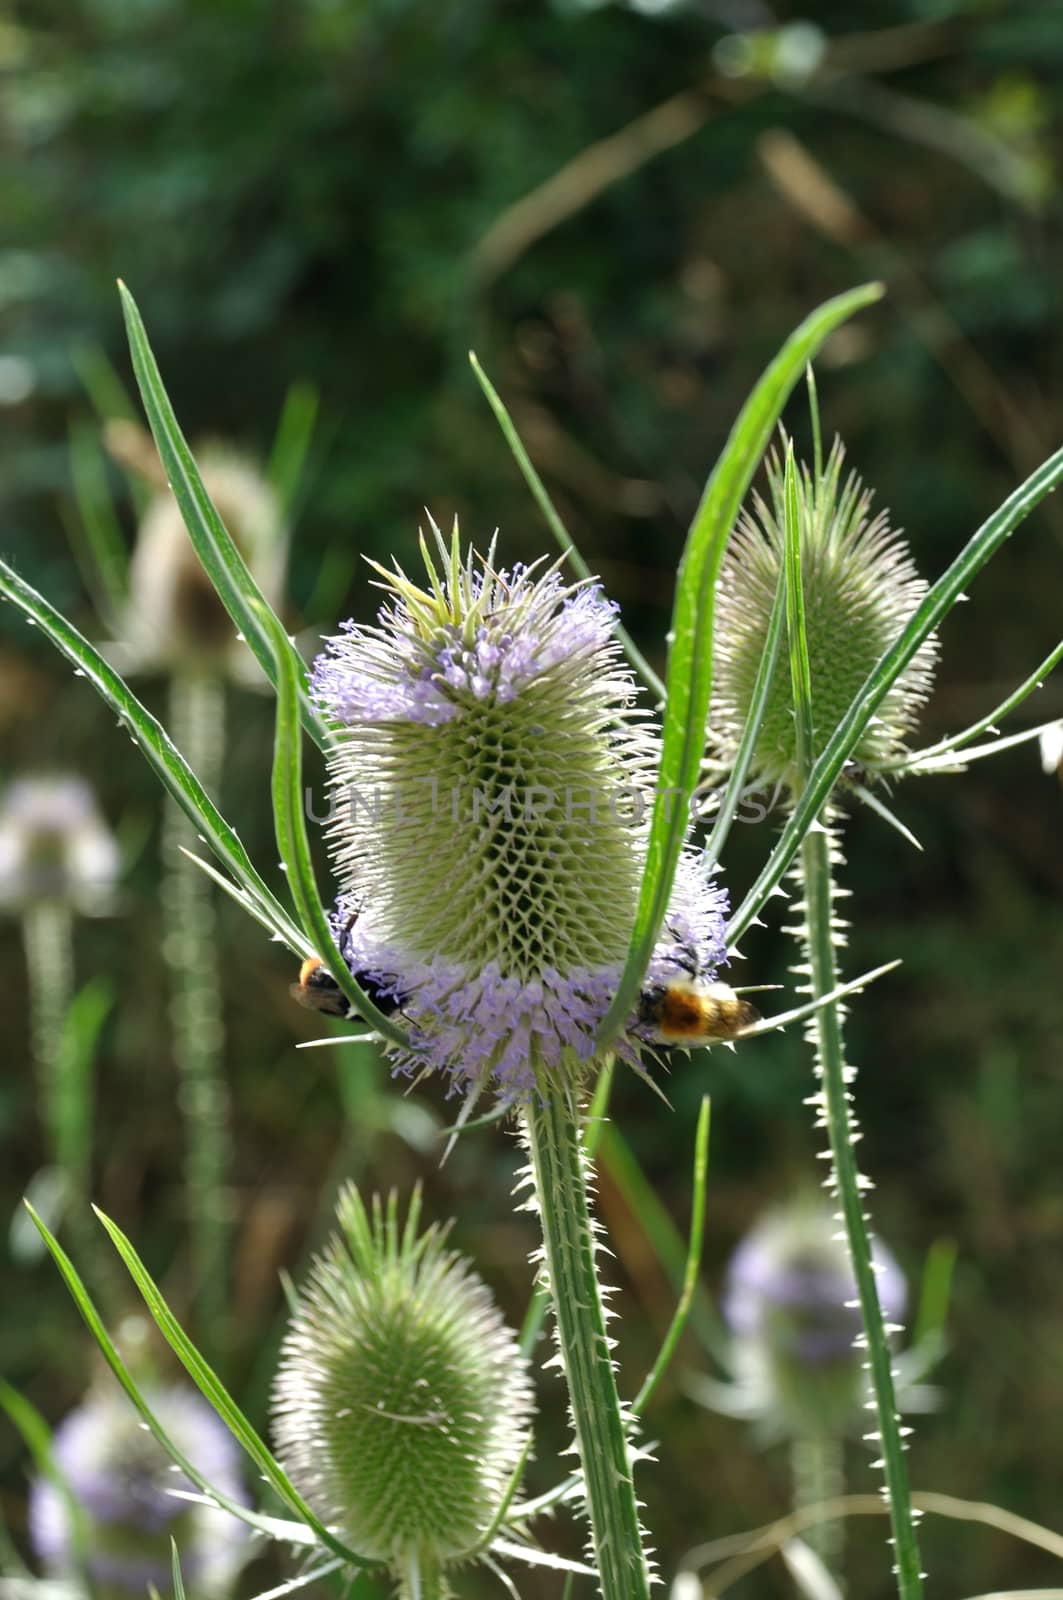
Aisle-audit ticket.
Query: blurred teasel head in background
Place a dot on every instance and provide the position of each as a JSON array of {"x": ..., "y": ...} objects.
[
  {"x": 492, "y": 780},
  {"x": 174, "y": 620},
  {"x": 55, "y": 846},
  {"x": 402, "y": 1404},
  {"x": 122, "y": 1481},
  {"x": 860, "y": 588},
  {"x": 790, "y": 1302}
]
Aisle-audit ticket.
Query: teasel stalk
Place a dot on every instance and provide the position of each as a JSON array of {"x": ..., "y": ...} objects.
[{"x": 850, "y": 589}]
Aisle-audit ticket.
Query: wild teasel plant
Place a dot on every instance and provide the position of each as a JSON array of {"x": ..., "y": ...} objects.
[{"x": 553, "y": 1110}]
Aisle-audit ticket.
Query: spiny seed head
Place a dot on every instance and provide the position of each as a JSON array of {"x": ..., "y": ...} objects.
[
  {"x": 122, "y": 1482},
  {"x": 860, "y": 588},
  {"x": 55, "y": 845},
  {"x": 789, "y": 1302},
  {"x": 492, "y": 786},
  {"x": 402, "y": 1403}
]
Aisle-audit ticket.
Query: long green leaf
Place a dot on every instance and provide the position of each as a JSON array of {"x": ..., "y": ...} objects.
[
  {"x": 732, "y": 795},
  {"x": 215, "y": 1393},
  {"x": 797, "y": 638},
  {"x": 290, "y": 823},
  {"x": 689, "y": 680},
  {"x": 214, "y": 545},
  {"x": 561, "y": 534},
  {"x": 692, "y": 1268},
  {"x": 935, "y": 606},
  {"x": 956, "y": 741},
  {"x": 158, "y": 749},
  {"x": 109, "y": 1351}
]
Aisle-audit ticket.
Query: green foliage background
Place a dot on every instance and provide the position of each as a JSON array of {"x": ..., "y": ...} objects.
[{"x": 323, "y": 191}]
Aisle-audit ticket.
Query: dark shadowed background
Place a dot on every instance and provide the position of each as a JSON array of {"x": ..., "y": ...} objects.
[{"x": 625, "y": 208}]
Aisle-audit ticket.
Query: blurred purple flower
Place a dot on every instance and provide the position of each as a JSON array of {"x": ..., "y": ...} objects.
[{"x": 122, "y": 1480}]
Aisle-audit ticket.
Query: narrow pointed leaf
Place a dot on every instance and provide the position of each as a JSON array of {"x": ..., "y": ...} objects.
[
  {"x": 109, "y": 1351},
  {"x": 732, "y": 795},
  {"x": 561, "y": 534},
  {"x": 290, "y": 823},
  {"x": 689, "y": 679},
  {"x": 214, "y": 1392},
  {"x": 214, "y": 545},
  {"x": 693, "y": 1264}
]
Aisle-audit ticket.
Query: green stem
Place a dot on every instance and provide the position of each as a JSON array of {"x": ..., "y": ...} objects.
[
  {"x": 421, "y": 1578},
  {"x": 559, "y": 1167},
  {"x": 47, "y": 932},
  {"x": 835, "y": 1077},
  {"x": 817, "y": 1472},
  {"x": 197, "y": 723}
]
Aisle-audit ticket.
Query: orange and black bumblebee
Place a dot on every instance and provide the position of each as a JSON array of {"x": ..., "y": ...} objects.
[
  {"x": 318, "y": 990},
  {"x": 689, "y": 1013}
]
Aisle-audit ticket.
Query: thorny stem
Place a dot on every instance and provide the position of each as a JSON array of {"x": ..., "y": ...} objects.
[
  {"x": 559, "y": 1170},
  {"x": 197, "y": 722},
  {"x": 835, "y": 1102}
]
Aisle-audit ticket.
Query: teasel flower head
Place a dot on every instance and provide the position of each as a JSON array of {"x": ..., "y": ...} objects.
[
  {"x": 492, "y": 786},
  {"x": 860, "y": 588},
  {"x": 174, "y": 620},
  {"x": 402, "y": 1405},
  {"x": 790, "y": 1302},
  {"x": 122, "y": 1481},
  {"x": 55, "y": 846}
]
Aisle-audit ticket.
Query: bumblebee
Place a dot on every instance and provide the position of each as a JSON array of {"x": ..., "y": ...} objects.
[
  {"x": 318, "y": 990},
  {"x": 690, "y": 1012}
]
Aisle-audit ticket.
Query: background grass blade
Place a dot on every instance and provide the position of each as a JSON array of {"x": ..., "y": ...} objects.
[
  {"x": 215, "y": 1393},
  {"x": 553, "y": 519},
  {"x": 689, "y": 683},
  {"x": 221, "y": 560},
  {"x": 158, "y": 749},
  {"x": 295, "y": 430},
  {"x": 37, "y": 1437},
  {"x": 936, "y": 605},
  {"x": 100, "y": 531},
  {"x": 290, "y": 823}
]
